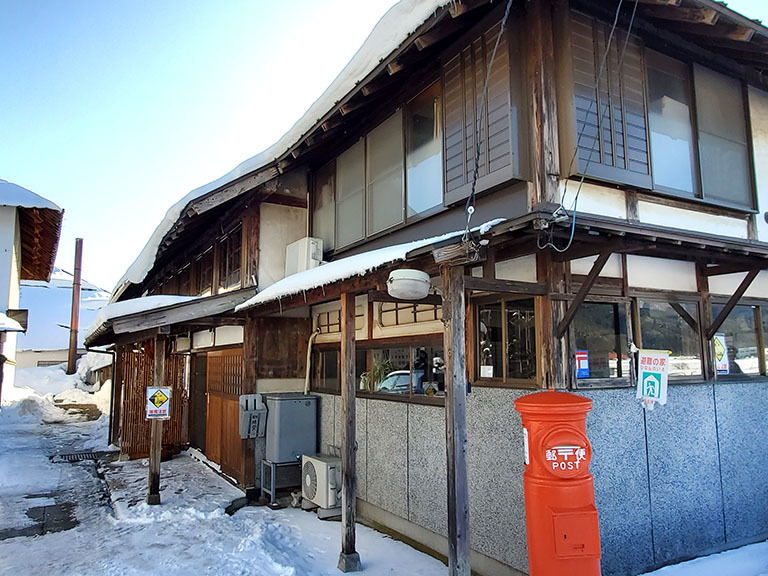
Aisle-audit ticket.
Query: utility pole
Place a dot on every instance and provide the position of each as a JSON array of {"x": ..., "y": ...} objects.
[{"x": 75, "y": 319}]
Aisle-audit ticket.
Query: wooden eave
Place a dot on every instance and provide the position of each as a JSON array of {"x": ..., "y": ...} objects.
[
  {"x": 40, "y": 229},
  {"x": 208, "y": 311},
  {"x": 703, "y": 31}
]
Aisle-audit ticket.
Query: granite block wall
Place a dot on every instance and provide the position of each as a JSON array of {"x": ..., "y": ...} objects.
[
  {"x": 620, "y": 470},
  {"x": 495, "y": 462},
  {"x": 743, "y": 436}
]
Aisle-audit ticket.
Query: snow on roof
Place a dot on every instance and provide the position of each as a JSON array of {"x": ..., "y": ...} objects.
[
  {"x": 391, "y": 31},
  {"x": 50, "y": 310},
  {"x": 9, "y": 325},
  {"x": 14, "y": 195},
  {"x": 133, "y": 306},
  {"x": 357, "y": 265}
]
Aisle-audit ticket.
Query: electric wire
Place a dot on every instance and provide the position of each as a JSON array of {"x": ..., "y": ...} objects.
[
  {"x": 470, "y": 206},
  {"x": 561, "y": 208}
]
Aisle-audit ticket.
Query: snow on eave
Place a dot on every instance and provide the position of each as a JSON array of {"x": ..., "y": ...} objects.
[
  {"x": 400, "y": 21},
  {"x": 357, "y": 265},
  {"x": 128, "y": 307},
  {"x": 9, "y": 324},
  {"x": 14, "y": 195}
]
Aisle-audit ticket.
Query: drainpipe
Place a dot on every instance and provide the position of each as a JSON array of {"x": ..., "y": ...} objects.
[{"x": 309, "y": 360}]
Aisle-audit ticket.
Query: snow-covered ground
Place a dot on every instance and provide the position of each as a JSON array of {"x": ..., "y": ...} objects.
[{"x": 117, "y": 533}]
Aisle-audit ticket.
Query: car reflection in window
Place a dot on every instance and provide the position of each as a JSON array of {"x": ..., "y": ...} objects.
[{"x": 399, "y": 382}]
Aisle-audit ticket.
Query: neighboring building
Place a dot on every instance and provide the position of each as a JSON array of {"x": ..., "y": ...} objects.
[
  {"x": 623, "y": 179},
  {"x": 29, "y": 236},
  {"x": 46, "y": 341}
]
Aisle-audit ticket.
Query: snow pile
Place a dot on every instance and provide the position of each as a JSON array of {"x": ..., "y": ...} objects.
[
  {"x": 749, "y": 560},
  {"x": 389, "y": 33},
  {"x": 357, "y": 265},
  {"x": 37, "y": 391},
  {"x": 35, "y": 408}
]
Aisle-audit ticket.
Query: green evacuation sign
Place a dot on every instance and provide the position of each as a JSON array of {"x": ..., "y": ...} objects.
[{"x": 652, "y": 372}]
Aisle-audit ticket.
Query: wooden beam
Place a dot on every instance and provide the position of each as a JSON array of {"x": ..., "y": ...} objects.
[
  {"x": 349, "y": 559},
  {"x": 454, "y": 317},
  {"x": 437, "y": 34},
  {"x": 156, "y": 429},
  {"x": 729, "y": 31},
  {"x": 721, "y": 269},
  {"x": 732, "y": 301},
  {"x": 213, "y": 199},
  {"x": 494, "y": 285},
  {"x": 707, "y": 16},
  {"x": 461, "y": 7},
  {"x": 383, "y": 296},
  {"x": 597, "y": 267},
  {"x": 660, "y": 2},
  {"x": 377, "y": 84},
  {"x": 687, "y": 318}
]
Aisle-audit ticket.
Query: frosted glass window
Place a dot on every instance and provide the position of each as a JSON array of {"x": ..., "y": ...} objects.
[
  {"x": 673, "y": 154},
  {"x": 350, "y": 195},
  {"x": 424, "y": 152},
  {"x": 324, "y": 207},
  {"x": 385, "y": 174},
  {"x": 723, "y": 146}
]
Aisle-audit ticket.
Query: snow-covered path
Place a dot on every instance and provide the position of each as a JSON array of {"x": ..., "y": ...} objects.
[
  {"x": 189, "y": 533},
  {"x": 117, "y": 533}
]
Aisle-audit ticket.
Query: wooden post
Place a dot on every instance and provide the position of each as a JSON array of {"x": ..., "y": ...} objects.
[
  {"x": 454, "y": 317},
  {"x": 75, "y": 318},
  {"x": 156, "y": 434},
  {"x": 349, "y": 559}
]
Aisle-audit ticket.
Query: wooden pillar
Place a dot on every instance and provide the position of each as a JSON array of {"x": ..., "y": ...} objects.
[
  {"x": 705, "y": 318},
  {"x": 541, "y": 81},
  {"x": 250, "y": 374},
  {"x": 454, "y": 317},
  {"x": 349, "y": 559},
  {"x": 156, "y": 434},
  {"x": 117, "y": 394}
]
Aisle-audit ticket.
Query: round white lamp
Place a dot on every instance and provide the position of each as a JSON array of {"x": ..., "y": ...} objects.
[{"x": 408, "y": 284}]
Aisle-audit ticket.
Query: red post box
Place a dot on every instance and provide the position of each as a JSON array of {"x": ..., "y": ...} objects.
[{"x": 560, "y": 514}]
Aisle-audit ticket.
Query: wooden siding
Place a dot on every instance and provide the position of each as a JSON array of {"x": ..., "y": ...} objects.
[
  {"x": 613, "y": 142},
  {"x": 463, "y": 82},
  {"x": 137, "y": 373},
  {"x": 225, "y": 385}
]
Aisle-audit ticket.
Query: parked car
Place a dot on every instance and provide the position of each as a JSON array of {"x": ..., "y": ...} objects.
[{"x": 399, "y": 382}]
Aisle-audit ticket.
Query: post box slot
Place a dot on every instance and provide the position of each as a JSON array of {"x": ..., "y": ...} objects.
[{"x": 577, "y": 533}]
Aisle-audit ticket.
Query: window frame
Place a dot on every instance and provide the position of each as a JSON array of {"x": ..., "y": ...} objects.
[
  {"x": 403, "y": 110},
  {"x": 762, "y": 359},
  {"x": 629, "y": 381},
  {"x": 474, "y": 366}
]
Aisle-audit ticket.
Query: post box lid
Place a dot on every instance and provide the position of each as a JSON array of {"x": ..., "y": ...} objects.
[{"x": 553, "y": 402}]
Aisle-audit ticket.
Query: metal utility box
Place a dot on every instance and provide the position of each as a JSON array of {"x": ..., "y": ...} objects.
[
  {"x": 291, "y": 426},
  {"x": 253, "y": 416}
]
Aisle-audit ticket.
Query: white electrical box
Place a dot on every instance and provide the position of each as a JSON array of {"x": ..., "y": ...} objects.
[{"x": 303, "y": 254}]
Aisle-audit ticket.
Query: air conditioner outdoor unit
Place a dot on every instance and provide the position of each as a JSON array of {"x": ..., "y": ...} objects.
[
  {"x": 303, "y": 254},
  {"x": 321, "y": 480}
]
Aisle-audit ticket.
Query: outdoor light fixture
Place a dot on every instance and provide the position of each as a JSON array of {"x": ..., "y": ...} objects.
[{"x": 408, "y": 284}]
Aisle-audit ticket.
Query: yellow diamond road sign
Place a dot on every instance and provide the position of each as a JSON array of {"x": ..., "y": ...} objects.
[
  {"x": 158, "y": 398},
  {"x": 719, "y": 349}
]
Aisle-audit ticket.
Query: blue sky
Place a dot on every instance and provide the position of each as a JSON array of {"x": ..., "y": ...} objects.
[{"x": 115, "y": 109}]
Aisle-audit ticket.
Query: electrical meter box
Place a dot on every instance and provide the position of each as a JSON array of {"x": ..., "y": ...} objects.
[{"x": 253, "y": 416}]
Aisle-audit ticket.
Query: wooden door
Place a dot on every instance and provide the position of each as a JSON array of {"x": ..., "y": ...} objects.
[
  {"x": 225, "y": 384},
  {"x": 199, "y": 401}
]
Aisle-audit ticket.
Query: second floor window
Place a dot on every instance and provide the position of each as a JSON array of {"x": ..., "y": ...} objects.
[
  {"x": 393, "y": 173},
  {"x": 229, "y": 259}
]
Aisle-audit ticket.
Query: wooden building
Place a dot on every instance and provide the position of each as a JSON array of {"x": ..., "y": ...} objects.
[{"x": 613, "y": 158}]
